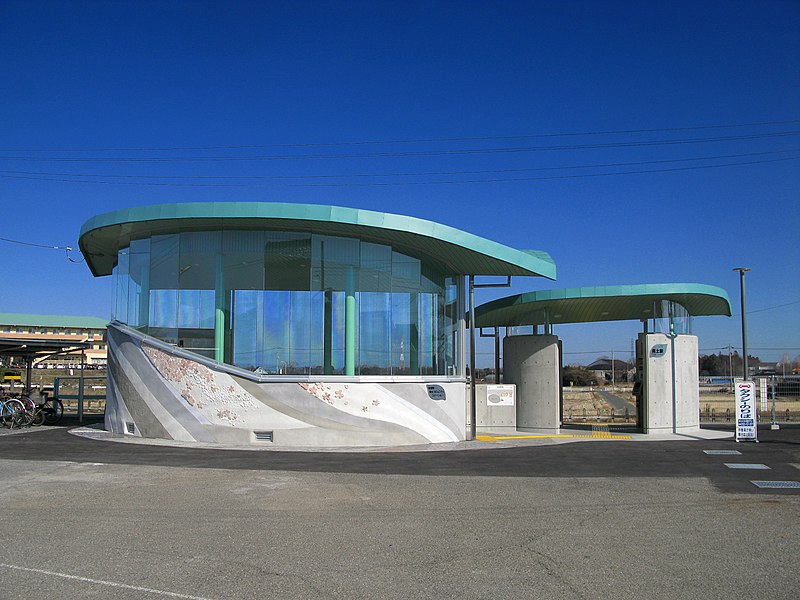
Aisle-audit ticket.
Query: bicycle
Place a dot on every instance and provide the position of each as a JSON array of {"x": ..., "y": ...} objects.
[
  {"x": 13, "y": 413},
  {"x": 48, "y": 411}
]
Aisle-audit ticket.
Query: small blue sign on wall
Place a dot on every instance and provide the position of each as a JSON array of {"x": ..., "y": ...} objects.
[
  {"x": 658, "y": 350},
  {"x": 436, "y": 392}
]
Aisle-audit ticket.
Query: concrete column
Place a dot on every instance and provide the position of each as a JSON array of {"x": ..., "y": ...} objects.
[
  {"x": 350, "y": 323},
  {"x": 219, "y": 312},
  {"x": 657, "y": 383},
  {"x": 533, "y": 363}
]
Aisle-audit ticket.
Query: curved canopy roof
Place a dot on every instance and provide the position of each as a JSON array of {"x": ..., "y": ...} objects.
[
  {"x": 606, "y": 303},
  {"x": 463, "y": 253}
]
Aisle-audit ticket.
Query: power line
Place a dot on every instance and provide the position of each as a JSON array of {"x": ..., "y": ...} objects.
[
  {"x": 3, "y": 239},
  {"x": 405, "y": 174},
  {"x": 411, "y": 141},
  {"x": 414, "y": 153},
  {"x": 400, "y": 183},
  {"x": 750, "y": 312},
  {"x": 67, "y": 249}
]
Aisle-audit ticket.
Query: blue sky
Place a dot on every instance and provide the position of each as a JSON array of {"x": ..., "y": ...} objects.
[{"x": 236, "y": 80}]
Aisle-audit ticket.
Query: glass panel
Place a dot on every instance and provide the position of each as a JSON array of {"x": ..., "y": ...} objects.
[
  {"x": 375, "y": 333},
  {"x": 163, "y": 287},
  {"x": 114, "y": 288},
  {"x": 198, "y": 259},
  {"x": 404, "y": 344},
  {"x": 123, "y": 264},
  {"x": 334, "y": 260},
  {"x": 139, "y": 289},
  {"x": 164, "y": 262},
  {"x": 247, "y": 311},
  {"x": 376, "y": 268},
  {"x": 453, "y": 309},
  {"x": 334, "y": 269},
  {"x": 243, "y": 261},
  {"x": 287, "y": 261},
  {"x": 196, "y": 309}
]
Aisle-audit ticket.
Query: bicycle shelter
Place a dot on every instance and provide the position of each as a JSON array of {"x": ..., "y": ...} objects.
[{"x": 28, "y": 350}]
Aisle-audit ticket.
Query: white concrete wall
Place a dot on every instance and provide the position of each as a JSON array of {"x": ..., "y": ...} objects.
[
  {"x": 657, "y": 382},
  {"x": 490, "y": 417},
  {"x": 533, "y": 363},
  {"x": 156, "y": 391}
]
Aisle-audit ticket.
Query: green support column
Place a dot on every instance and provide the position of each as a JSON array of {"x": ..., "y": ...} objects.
[
  {"x": 327, "y": 340},
  {"x": 350, "y": 323},
  {"x": 219, "y": 313},
  {"x": 413, "y": 342}
]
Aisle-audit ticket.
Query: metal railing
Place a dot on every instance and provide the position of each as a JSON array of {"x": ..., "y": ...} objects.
[{"x": 72, "y": 391}]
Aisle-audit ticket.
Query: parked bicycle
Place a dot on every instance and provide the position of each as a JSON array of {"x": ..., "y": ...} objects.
[
  {"x": 12, "y": 413},
  {"x": 25, "y": 411}
]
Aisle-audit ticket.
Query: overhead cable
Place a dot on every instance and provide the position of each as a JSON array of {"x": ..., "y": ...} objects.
[
  {"x": 412, "y": 141},
  {"x": 411, "y": 153}
]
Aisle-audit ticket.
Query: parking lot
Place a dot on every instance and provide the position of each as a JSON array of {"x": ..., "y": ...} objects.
[{"x": 89, "y": 518}]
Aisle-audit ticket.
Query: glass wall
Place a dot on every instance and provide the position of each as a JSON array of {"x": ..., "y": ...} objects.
[{"x": 292, "y": 303}]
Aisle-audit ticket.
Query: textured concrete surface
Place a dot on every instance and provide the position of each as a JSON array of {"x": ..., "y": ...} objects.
[{"x": 94, "y": 519}]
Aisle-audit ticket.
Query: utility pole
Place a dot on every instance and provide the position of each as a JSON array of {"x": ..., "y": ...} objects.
[{"x": 742, "y": 271}]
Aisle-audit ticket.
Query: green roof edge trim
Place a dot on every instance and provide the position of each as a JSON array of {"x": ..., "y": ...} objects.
[
  {"x": 467, "y": 249},
  {"x": 21, "y": 319},
  {"x": 594, "y": 304}
]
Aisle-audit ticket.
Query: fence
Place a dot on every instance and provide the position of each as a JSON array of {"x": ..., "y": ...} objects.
[
  {"x": 778, "y": 400},
  {"x": 72, "y": 391}
]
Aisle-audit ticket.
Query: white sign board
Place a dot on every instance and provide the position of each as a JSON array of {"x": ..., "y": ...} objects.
[
  {"x": 746, "y": 415},
  {"x": 500, "y": 395}
]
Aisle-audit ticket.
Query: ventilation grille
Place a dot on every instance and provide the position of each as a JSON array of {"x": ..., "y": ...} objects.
[
  {"x": 130, "y": 428},
  {"x": 777, "y": 485},
  {"x": 263, "y": 436}
]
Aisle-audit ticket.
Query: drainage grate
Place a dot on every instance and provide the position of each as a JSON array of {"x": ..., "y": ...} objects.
[
  {"x": 777, "y": 485},
  {"x": 130, "y": 427},
  {"x": 263, "y": 436},
  {"x": 722, "y": 452},
  {"x": 754, "y": 466}
]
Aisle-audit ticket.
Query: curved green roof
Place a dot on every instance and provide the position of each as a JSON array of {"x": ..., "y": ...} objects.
[
  {"x": 463, "y": 253},
  {"x": 606, "y": 303}
]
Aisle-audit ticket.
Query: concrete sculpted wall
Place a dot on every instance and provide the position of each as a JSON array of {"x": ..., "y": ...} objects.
[{"x": 157, "y": 392}]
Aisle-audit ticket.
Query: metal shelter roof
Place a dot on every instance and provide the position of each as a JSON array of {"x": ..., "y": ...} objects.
[
  {"x": 31, "y": 348},
  {"x": 463, "y": 253},
  {"x": 605, "y": 303}
]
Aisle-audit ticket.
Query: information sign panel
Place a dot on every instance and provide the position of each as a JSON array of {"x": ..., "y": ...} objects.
[
  {"x": 500, "y": 395},
  {"x": 746, "y": 415}
]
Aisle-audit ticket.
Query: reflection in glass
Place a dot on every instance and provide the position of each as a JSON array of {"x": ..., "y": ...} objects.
[{"x": 292, "y": 303}]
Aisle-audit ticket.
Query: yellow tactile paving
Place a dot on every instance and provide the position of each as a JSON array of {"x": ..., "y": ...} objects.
[{"x": 599, "y": 432}]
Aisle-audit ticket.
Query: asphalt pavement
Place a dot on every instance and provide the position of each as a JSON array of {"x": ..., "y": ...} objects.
[{"x": 87, "y": 518}]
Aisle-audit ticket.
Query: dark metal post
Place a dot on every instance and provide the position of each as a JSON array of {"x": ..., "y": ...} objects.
[
  {"x": 742, "y": 271},
  {"x": 497, "y": 355},
  {"x": 81, "y": 386},
  {"x": 473, "y": 412}
]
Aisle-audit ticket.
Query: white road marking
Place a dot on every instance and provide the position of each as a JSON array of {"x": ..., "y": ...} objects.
[{"x": 102, "y": 582}]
